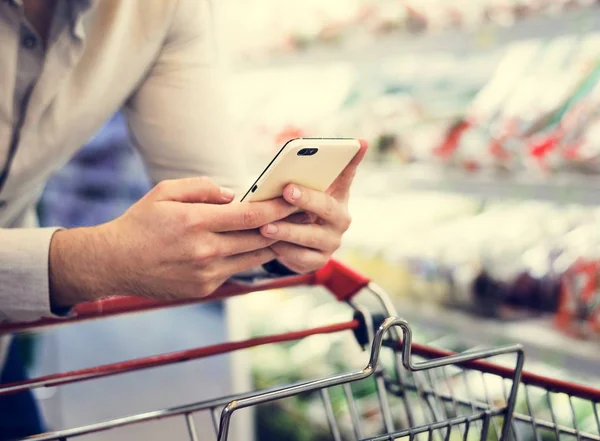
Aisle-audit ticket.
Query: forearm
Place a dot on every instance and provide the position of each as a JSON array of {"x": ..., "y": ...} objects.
[{"x": 80, "y": 267}]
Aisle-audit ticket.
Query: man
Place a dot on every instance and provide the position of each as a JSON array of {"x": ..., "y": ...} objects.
[{"x": 67, "y": 66}]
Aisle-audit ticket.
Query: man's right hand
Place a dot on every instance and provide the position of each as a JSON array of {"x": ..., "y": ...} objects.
[{"x": 182, "y": 239}]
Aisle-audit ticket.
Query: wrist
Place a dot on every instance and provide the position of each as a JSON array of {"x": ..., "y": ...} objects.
[{"x": 78, "y": 270}]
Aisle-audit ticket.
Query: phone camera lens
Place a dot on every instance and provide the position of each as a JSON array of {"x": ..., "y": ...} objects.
[{"x": 307, "y": 152}]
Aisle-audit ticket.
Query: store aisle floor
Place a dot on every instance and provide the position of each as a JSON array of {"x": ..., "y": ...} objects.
[{"x": 93, "y": 343}]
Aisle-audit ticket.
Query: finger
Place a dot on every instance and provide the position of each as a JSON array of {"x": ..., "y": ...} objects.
[
  {"x": 349, "y": 171},
  {"x": 239, "y": 242},
  {"x": 312, "y": 236},
  {"x": 341, "y": 186},
  {"x": 243, "y": 262},
  {"x": 192, "y": 190},
  {"x": 322, "y": 204},
  {"x": 299, "y": 259},
  {"x": 245, "y": 216}
]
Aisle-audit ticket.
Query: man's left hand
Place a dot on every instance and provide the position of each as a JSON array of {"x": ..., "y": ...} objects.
[{"x": 307, "y": 240}]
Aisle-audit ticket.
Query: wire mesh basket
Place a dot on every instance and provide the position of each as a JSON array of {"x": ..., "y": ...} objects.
[{"x": 421, "y": 393}]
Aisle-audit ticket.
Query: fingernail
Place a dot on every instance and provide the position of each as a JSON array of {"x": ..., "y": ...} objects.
[
  {"x": 227, "y": 193},
  {"x": 271, "y": 229},
  {"x": 295, "y": 193}
]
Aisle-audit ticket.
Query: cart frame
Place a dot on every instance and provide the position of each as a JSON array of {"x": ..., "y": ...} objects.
[{"x": 419, "y": 372}]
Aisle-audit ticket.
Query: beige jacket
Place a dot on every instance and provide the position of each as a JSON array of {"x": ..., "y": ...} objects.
[{"x": 155, "y": 58}]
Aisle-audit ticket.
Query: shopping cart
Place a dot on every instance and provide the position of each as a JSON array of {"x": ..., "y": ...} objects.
[{"x": 424, "y": 392}]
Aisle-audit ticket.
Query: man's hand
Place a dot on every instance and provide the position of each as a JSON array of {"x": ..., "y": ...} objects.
[
  {"x": 306, "y": 241},
  {"x": 183, "y": 239}
]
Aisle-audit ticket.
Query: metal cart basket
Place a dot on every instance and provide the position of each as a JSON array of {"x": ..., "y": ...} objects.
[{"x": 423, "y": 393}]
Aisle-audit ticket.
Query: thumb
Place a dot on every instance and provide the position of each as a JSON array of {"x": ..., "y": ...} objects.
[
  {"x": 341, "y": 186},
  {"x": 192, "y": 190}
]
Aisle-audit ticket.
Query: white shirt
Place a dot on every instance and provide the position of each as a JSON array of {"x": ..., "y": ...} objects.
[{"x": 154, "y": 58}]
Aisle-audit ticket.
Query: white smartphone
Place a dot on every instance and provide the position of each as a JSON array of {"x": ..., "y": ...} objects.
[{"x": 310, "y": 162}]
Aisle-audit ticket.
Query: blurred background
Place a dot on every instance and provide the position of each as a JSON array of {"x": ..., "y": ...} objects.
[{"x": 477, "y": 208}]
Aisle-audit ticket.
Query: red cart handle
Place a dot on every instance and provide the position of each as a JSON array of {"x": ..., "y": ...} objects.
[{"x": 342, "y": 281}]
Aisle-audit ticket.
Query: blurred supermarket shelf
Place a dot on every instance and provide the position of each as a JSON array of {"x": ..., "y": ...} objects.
[
  {"x": 488, "y": 38},
  {"x": 541, "y": 341},
  {"x": 560, "y": 188}
]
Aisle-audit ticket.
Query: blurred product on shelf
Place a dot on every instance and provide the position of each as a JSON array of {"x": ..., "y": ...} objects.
[
  {"x": 294, "y": 27},
  {"x": 403, "y": 107},
  {"x": 532, "y": 108},
  {"x": 579, "y": 309},
  {"x": 536, "y": 113},
  {"x": 505, "y": 259}
]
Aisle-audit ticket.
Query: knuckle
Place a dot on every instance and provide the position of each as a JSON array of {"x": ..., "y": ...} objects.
[
  {"x": 263, "y": 255},
  {"x": 313, "y": 241},
  {"x": 336, "y": 242},
  {"x": 206, "y": 184},
  {"x": 218, "y": 249},
  {"x": 204, "y": 180},
  {"x": 320, "y": 262},
  {"x": 205, "y": 278},
  {"x": 251, "y": 218},
  {"x": 184, "y": 218},
  {"x": 162, "y": 186},
  {"x": 346, "y": 221},
  {"x": 311, "y": 261},
  {"x": 204, "y": 254},
  {"x": 302, "y": 259},
  {"x": 329, "y": 208}
]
